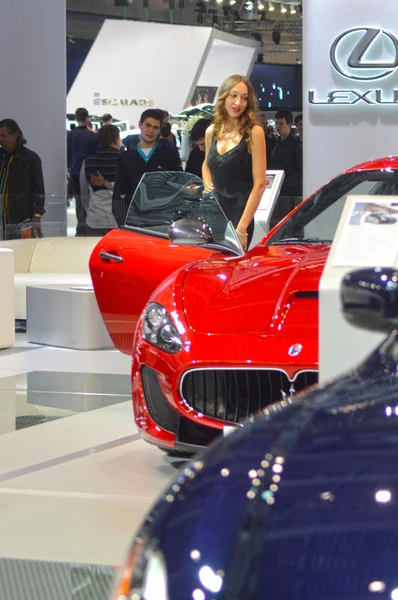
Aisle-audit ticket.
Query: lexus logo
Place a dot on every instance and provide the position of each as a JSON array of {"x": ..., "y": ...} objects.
[{"x": 350, "y": 53}]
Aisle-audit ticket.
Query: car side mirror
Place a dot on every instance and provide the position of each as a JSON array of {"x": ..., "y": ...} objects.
[
  {"x": 370, "y": 298},
  {"x": 191, "y": 231}
]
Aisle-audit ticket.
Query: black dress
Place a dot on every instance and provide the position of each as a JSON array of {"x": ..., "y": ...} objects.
[{"x": 232, "y": 178}]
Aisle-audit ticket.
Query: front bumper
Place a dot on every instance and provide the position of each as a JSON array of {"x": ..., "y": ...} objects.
[{"x": 162, "y": 383}]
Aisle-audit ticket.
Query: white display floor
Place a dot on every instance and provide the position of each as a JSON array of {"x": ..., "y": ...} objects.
[{"x": 74, "y": 487}]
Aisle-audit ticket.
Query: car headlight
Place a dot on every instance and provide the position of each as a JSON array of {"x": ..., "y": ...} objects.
[
  {"x": 144, "y": 575},
  {"x": 159, "y": 330}
]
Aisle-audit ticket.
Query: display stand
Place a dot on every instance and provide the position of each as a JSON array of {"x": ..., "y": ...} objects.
[
  {"x": 367, "y": 236},
  {"x": 262, "y": 218}
]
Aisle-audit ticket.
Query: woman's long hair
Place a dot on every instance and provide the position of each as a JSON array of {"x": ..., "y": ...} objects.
[
  {"x": 14, "y": 128},
  {"x": 249, "y": 118}
]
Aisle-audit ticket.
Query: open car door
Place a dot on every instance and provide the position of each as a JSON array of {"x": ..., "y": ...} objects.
[{"x": 170, "y": 222}]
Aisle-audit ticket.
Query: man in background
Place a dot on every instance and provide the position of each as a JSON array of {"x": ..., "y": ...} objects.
[
  {"x": 107, "y": 119},
  {"x": 81, "y": 143},
  {"x": 288, "y": 157},
  {"x": 197, "y": 154},
  {"x": 146, "y": 155},
  {"x": 21, "y": 185},
  {"x": 298, "y": 121}
]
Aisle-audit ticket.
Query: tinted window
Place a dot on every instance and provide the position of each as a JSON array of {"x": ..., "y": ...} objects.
[
  {"x": 166, "y": 198},
  {"x": 320, "y": 215}
]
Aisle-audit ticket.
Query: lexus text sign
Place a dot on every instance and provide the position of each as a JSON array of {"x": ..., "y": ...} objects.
[{"x": 350, "y": 86}]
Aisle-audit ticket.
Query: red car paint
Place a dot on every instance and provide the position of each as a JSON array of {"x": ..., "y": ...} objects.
[{"x": 235, "y": 313}]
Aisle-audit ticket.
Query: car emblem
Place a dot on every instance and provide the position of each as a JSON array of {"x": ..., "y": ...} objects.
[
  {"x": 292, "y": 391},
  {"x": 351, "y": 66},
  {"x": 295, "y": 350}
]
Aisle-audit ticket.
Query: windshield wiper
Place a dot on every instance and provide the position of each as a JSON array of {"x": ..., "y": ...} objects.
[{"x": 296, "y": 240}]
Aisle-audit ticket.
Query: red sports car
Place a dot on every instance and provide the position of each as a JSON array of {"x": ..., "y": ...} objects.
[{"x": 218, "y": 333}]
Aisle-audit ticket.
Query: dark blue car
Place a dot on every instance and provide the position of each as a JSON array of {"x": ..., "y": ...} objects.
[{"x": 301, "y": 503}]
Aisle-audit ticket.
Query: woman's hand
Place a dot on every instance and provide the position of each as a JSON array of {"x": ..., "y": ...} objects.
[
  {"x": 243, "y": 236},
  {"x": 209, "y": 187},
  {"x": 98, "y": 180}
]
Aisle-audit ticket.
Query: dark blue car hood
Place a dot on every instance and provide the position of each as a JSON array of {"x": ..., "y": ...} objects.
[{"x": 316, "y": 533}]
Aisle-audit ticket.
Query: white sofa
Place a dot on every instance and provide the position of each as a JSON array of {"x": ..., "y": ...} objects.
[
  {"x": 49, "y": 261},
  {"x": 7, "y": 328}
]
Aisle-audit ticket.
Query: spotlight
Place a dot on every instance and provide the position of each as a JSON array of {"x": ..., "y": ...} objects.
[
  {"x": 232, "y": 2},
  {"x": 276, "y": 37},
  {"x": 292, "y": 9},
  {"x": 271, "y": 7},
  {"x": 260, "y": 6},
  {"x": 283, "y": 8}
]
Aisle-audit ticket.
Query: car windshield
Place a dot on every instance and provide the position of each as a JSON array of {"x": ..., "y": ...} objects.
[
  {"x": 165, "y": 198},
  {"x": 317, "y": 219}
]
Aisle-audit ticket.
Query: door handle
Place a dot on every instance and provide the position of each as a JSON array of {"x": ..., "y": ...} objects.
[{"x": 109, "y": 256}]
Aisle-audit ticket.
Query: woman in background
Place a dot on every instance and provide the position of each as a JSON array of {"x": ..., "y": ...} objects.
[{"x": 235, "y": 161}]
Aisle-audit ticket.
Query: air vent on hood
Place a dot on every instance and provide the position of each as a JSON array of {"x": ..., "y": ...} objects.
[{"x": 308, "y": 294}]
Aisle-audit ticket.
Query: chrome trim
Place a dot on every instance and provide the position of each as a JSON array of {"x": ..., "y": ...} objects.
[{"x": 108, "y": 256}]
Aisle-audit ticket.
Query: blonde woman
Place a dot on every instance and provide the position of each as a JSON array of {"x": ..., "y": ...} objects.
[{"x": 235, "y": 161}]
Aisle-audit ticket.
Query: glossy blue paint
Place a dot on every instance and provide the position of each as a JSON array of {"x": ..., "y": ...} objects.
[{"x": 287, "y": 507}]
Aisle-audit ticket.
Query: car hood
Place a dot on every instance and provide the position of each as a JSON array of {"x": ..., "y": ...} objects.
[{"x": 272, "y": 291}]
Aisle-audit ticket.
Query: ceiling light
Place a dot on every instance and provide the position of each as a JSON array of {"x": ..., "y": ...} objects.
[
  {"x": 283, "y": 8},
  {"x": 232, "y": 2},
  {"x": 261, "y": 6},
  {"x": 271, "y": 6},
  {"x": 292, "y": 9}
]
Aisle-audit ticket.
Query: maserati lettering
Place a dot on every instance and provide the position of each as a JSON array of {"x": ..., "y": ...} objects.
[{"x": 121, "y": 102}]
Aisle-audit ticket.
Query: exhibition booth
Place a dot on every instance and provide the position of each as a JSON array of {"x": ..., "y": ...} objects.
[{"x": 168, "y": 311}]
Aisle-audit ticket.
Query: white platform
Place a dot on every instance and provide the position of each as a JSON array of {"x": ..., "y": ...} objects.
[
  {"x": 65, "y": 316},
  {"x": 75, "y": 489}
]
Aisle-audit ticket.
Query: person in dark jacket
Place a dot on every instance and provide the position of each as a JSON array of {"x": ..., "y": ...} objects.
[
  {"x": 81, "y": 143},
  {"x": 21, "y": 183},
  {"x": 197, "y": 154},
  {"x": 288, "y": 157},
  {"x": 146, "y": 155}
]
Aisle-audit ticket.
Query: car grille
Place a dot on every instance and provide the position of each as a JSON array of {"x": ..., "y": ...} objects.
[{"x": 233, "y": 394}]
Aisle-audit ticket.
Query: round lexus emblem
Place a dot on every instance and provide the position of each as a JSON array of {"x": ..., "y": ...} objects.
[
  {"x": 355, "y": 53},
  {"x": 295, "y": 350}
]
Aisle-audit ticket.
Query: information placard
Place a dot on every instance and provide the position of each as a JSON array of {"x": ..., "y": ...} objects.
[{"x": 369, "y": 237}]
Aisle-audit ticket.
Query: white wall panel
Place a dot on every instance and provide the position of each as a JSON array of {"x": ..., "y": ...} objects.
[
  {"x": 227, "y": 58},
  {"x": 158, "y": 62},
  {"x": 339, "y": 135},
  {"x": 33, "y": 83},
  {"x": 138, "y": 61}
]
